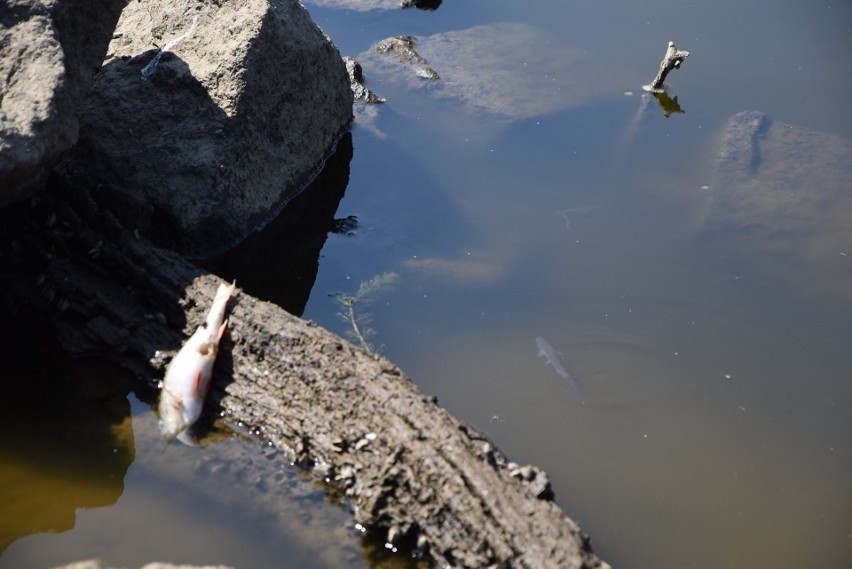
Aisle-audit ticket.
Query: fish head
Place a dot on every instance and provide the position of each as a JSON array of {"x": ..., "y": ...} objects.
[{"x": 173, "y": 417}]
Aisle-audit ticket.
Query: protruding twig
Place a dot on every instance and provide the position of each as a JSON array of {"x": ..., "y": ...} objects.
[
  {"x": 674, "y": 57},
  {"x": 149, "y": 69}
]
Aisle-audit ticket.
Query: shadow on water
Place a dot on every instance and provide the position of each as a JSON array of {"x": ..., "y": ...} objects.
[
  {"x": 66, "y": 440},
  {"x": 669, "y": 105},
  {"x": 423, "y": 4},
  {"x": 83, "y": 470},
  {"x": 279, "y": 263}
]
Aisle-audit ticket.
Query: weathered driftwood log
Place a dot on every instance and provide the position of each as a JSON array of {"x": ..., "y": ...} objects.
[
  {"x": 413, "y": 474},
  {"x": 672, "y": 60}
]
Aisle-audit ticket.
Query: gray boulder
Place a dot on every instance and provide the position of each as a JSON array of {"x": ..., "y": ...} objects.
[
  {"x": 206, "y": 119},
  {"x": 50, "y": 51}
]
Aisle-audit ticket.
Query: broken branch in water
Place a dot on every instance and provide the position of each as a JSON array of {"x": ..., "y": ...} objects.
[{"x": 673, "y": 59}]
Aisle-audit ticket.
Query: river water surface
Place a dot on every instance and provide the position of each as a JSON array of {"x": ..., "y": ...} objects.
[
  {"x": 708, "y": 328},
  {"x": 711, "y": 425}
]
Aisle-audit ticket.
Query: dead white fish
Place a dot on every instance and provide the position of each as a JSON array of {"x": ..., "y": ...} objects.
[
  {"x": 188, "y": 376},
  {"x": 552, "y": 357}
]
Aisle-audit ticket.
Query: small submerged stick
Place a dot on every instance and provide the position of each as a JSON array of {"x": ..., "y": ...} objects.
[{"x": 673, "y": 59}]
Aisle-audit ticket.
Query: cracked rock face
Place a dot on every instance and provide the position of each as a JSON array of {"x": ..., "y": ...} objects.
[{"x": 235, "y": 112}]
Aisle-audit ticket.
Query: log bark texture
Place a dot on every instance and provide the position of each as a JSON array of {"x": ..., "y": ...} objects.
[{"x": 413, "y": 474}]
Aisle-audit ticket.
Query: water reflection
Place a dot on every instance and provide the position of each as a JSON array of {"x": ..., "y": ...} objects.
[
  {"x": 422, "y": 4},
  {"x": 669, "y": 105}
]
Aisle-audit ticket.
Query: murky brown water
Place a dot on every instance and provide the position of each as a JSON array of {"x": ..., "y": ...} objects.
[
  {"x": 85, "y": 474},
  {"x": 710, "y": 337},
  {"x": 711, "y": 349}
]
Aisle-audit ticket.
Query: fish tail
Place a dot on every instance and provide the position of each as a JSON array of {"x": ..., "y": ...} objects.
[
  {"x": 220, "y": 304},
  {"x": 571, "y": 382}
]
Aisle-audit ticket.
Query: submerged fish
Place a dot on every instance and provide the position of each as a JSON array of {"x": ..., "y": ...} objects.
[
  {"x": 546, "y": 350},
  {"x": 188, "y": 376}
]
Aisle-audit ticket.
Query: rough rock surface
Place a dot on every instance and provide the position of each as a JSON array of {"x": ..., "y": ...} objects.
[
  {"x": 412, "y": 473},
  {"x": 356, "y": 81},
  {"x": 49, "y": 52},
  {"x": 200, "y": 142}
]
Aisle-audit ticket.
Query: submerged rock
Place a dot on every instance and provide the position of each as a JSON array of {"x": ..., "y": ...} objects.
[
  {"x": 787, "y": 188},
  {"x": 199, "y": 142},
  {"x": 473, "y": 66}
]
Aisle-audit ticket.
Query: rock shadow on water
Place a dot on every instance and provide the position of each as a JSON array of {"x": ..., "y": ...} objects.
[
  {"x": 279, "y": 263},
  {"x": 66, "y": 441}
]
